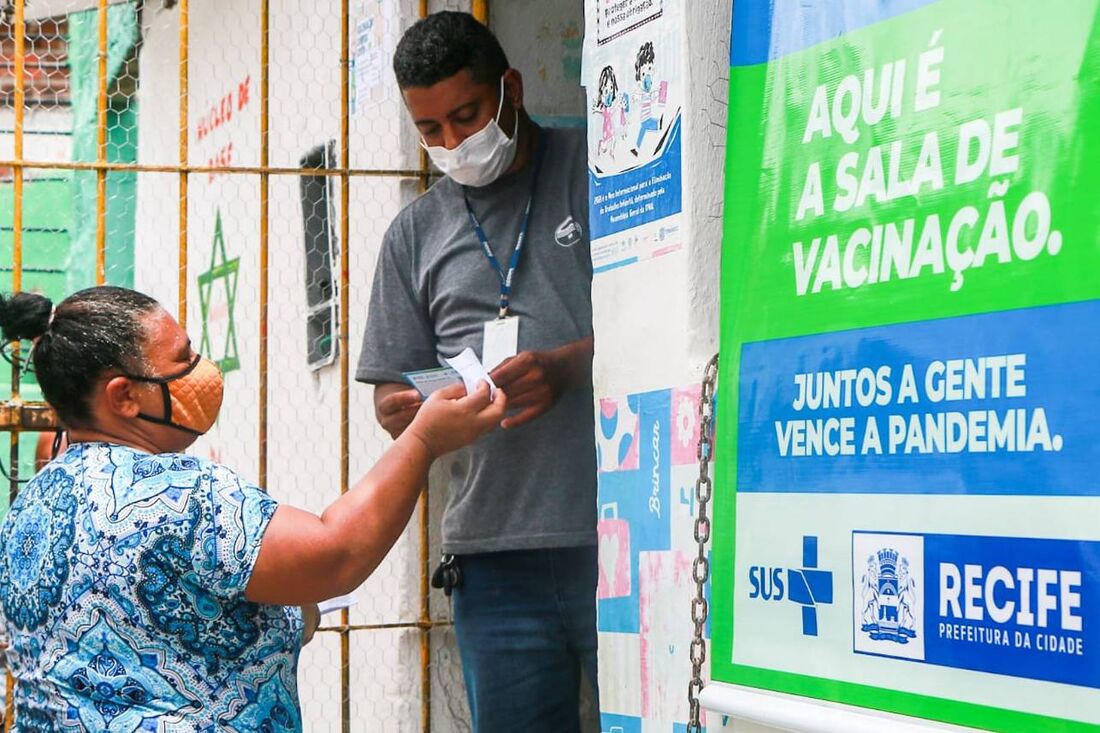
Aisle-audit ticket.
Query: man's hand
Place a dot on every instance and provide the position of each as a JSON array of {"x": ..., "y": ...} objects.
[
  {"x": 535, "y": 380},
  {"x": 395, "y": 406}
]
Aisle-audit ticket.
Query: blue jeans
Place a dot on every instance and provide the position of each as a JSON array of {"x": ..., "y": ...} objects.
[{"x": 526, "y": 627}]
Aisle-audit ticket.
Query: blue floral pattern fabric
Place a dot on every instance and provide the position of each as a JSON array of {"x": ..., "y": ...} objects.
[{"x": 122, "y": 579}]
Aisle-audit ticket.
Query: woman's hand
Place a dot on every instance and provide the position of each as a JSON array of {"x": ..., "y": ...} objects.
[
  {"x": 306, "y": 558},
  {"x": 451, "y": 419}
]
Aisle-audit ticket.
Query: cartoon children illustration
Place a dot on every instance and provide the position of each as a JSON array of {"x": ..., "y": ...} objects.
[
  {"x": 608, "y": 102},
  {"x": 648, "y": 97}
]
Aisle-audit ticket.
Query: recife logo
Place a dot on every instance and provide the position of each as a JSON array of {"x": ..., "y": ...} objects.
[
  {"x": 806, "y": 586},
  {"x": 1016, "y": 606},
  {"x": 888, "y": 594},
  {"x": 889, "y": 597}
]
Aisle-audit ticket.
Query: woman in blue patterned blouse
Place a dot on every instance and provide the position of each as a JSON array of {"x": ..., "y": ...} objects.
[{"x": 143, "y": 589}]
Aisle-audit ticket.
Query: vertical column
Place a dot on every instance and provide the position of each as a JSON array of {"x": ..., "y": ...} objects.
[
  {"x": 345, "y": 197},
  {"x": 265, "y": 18},
  {"x": 101, "y": 151},
  {"x": 650, "y": 75},
  {"x": 183, "y": 155},
  {"x": 480, "y": 10},
  {"x": 20, "y": 31},
  {"x": 424, "y": 517}
]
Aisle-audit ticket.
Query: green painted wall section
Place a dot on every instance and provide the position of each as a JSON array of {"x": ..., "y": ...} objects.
[
  {"x": 47, "y": 227},
  {"x": 122, "y": 120},
  {"x": 59, "y": 212}
]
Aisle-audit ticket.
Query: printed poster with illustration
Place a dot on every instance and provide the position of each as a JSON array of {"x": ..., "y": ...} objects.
[
  {"x": 633, "y": 79},
  {"x": 908, "y": 495}
]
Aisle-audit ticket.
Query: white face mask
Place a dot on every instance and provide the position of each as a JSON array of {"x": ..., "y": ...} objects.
[{"x": 481, "y": 158}]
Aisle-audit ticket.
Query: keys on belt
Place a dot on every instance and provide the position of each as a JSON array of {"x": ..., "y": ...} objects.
[{"x": 448, "y": 575}]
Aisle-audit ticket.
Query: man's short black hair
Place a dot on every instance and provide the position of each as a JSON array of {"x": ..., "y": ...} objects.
[{"x": 443, "y": 44}]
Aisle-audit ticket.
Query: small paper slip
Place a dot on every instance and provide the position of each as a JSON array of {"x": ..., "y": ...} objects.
[
  {"x": 336, "y": 604},
  {"x": 432, "y": 380},
  {"x": 472, "y": 372}
]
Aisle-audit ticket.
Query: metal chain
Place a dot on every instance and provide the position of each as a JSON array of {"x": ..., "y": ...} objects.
[{"x": 700, "y": 567}]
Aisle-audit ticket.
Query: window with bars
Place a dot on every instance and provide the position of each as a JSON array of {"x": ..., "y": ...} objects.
[{"x": 319, "y": 239}]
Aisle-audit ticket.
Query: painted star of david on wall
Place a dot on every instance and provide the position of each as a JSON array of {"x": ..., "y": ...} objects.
[{"x": 222, "y": 273}]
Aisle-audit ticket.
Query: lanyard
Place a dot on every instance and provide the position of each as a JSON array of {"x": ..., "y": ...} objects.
[{"x": 513, "y": 263}]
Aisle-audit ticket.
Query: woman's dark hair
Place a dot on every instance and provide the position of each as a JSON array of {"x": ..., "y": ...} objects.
[
  {"x": 645, "y": 56},
  {"x": 91, "y": 332},
  {"x": 443, "y": 44}
]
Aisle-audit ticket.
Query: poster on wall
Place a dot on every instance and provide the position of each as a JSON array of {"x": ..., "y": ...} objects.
[
  {"x": 373, "y": 44},
  {"x": 634, "y": 84},
  {"x": 645, "y": 449},
  {"x": 908, "y": 465}
]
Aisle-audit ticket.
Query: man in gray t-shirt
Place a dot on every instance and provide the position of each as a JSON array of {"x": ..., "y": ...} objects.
[{"x": 520, "y": 516}]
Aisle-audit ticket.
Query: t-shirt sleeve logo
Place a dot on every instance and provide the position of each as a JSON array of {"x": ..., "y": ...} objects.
[{"x": 569, "y": 232}]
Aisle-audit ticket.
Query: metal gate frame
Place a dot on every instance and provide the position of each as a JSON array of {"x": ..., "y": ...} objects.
[{"x": 17, "y": 416}]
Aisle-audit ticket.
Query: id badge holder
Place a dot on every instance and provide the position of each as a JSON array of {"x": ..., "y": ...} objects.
[{"x": 501, "y": 341}]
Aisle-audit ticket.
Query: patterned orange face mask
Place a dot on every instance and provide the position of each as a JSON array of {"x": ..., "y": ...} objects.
[{"x": 192, "y": 398}]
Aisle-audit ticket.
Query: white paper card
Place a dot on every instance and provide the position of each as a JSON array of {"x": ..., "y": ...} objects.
[
  {"x": 428, "y": 381},
  {"x": 501, "y": 341},
  {"x": 471, "y": 370},
  {"x": 335, "y": 604}
]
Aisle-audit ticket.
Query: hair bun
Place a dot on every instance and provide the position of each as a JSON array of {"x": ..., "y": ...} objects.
[{"x": 24, "y": 315}]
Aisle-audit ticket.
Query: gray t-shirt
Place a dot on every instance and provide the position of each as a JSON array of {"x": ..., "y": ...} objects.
[{"x": 528, "y": 487}]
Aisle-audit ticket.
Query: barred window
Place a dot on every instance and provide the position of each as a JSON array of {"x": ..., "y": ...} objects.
[{"x": 320, "y": 252}]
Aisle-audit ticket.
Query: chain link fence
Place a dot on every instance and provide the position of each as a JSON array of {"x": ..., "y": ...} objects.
[{"x": 238, "y": 160}]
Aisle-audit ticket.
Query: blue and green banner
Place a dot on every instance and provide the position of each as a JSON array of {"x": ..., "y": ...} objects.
[{"x": 908, "y": 503}]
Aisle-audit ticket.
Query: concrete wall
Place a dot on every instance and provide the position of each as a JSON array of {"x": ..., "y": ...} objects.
[
  {"x": 304, "y": 405},
  {"x": 303, "y": 445},
  {"x": 655, "y": 321},
  {"x": 543, "y": 41},
  {"x": 656, "y": 328},
  {"x": 47, "y": 136}
]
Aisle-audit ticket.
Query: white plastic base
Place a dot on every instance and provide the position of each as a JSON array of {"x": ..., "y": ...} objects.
[{"x": 805, "y": 715}]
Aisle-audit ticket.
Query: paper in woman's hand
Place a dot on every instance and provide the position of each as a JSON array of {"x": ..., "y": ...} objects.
[
  {"x": 336, "y": 604},
  {"x": 473, "y": 373}
]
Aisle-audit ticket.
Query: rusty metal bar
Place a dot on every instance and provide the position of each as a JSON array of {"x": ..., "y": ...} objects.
[
  {"x": 16, "y": 416},
  {"x": 480, "y": 10},
  {"x": 265, "y": 19},
  {"x": 345, "y": 228},
  {"x": 212, "y": 169},
  {"x": 184, "y": 77},
  {"x": 101, "y": 151},
  {"x": 424, "y": 516},
  {"x": 20, "y": 29},
  {"x": 17, "y": 284},
  {"x": 381, "y": 627},
  {"x": 425, "y": 623},
  {"x": 9, "y": 701}
]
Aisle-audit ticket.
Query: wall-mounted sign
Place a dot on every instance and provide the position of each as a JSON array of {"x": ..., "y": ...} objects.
[
  {"x": 908, "y": 515},
  {"x": 217, "y": 299}
]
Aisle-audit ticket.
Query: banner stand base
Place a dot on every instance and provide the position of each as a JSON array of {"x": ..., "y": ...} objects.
[{"x": 806, "y": 715}]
